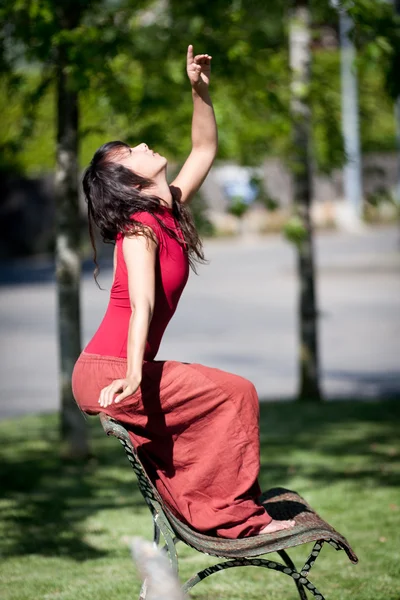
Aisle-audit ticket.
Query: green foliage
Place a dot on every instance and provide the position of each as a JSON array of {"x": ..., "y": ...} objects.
[
  {"x": 326, "y": 111},
  {"x": 198, "y": 209},
  {"x": 27, "y": 137},
  {"x": 129, "y": 66},
  {"x": 377, "y": 32},
  {"x": 377, "y": 124},
  {"x": 381, "y": 206},
  {"x": 128, "y": 61},
  {"x": 262, "y": 196},
  {"x": 294, "y": 230},
  {"x": 238, "y": 207}
]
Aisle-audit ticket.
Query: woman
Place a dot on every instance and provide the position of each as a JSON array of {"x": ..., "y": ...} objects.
[{"x": 195, "y": 427}]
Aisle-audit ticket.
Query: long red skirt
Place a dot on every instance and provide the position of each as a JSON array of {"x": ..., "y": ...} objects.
[{"x": 197, "y": 431}]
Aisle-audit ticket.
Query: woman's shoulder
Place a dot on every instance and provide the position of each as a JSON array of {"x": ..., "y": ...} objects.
[
  {"x": 155, "y": 221},
  {"x": 148, "y": 218}
]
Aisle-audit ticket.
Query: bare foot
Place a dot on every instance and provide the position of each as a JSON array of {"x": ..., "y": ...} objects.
[{"x": 277, "y": 526}]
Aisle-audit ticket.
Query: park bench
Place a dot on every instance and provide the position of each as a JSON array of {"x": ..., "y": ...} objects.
[{"x": 281, "y": 504}]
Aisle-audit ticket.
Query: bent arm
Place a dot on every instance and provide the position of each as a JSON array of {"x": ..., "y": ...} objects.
[{"x": 140, "y": 256}]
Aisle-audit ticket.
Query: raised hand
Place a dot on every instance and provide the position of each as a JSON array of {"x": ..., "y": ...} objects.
[{"x": 198, "y": 68}]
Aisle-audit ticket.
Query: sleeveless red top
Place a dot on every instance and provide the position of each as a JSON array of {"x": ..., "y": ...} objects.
[{"x": 172, "y": 271}]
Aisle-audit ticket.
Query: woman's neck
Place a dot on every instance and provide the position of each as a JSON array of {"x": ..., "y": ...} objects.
[{"x": 161, "y": 189}]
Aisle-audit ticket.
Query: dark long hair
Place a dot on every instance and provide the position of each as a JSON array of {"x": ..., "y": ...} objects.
[{"x": 114, "y": 194}]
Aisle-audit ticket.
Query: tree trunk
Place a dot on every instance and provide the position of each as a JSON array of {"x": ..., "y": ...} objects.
[
  {"x": 300, "y": 59},
  {"x": 74, "y": 442}
]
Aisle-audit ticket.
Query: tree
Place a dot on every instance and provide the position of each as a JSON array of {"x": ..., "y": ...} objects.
[
  {"x": 71, "y": 43},
  {"x": 250, "y": 85},
  {"x": 122, "y": 57},
  {"x": 300, "y": 59},
  {"x": 68, "y": 262}
]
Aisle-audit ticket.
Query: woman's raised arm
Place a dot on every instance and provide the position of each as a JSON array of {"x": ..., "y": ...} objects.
[{"x": 204, "y": 129}]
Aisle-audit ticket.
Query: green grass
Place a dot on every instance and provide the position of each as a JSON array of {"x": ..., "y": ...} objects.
[{"x": 64, "y": 527}]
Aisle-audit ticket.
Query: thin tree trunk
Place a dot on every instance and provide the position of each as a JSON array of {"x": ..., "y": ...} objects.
[
  {"x": 68, "y": 263},
  {"x": 300, "y": 59}
]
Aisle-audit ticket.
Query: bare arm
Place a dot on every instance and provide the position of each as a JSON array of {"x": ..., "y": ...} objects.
[
  {"x": 204, "y": 129},
  {"x": 140, "y": 256}
]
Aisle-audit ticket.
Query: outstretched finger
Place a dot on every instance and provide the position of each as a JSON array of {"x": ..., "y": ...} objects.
[{"x": 189, "y": 57}]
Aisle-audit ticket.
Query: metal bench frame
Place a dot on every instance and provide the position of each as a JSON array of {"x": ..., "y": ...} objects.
[{"x": 241, "y": 552}]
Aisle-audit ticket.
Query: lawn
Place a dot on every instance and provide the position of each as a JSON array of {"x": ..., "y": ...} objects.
[{"x": 65, "y": 528}]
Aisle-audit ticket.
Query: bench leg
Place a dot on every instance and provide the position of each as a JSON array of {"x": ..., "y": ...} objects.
[
  {"x": 312, "y": 558},
  {"x": 170, "y": 542},
  {"x": 254, "y": 562},
  {"x": 289, "y": 563}
]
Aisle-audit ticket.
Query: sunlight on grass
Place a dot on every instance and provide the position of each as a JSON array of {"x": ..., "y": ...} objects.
[{"x": 65, "y": 527}]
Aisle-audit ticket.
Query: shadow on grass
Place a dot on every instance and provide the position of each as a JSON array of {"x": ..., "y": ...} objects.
[
  {"x": 336, "y": 441},
  {"x": 46, "y": 502}
]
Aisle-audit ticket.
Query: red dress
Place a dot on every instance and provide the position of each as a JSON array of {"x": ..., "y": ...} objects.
[
  {"x": 195, "y": 427},
  {"x": 172, "y": 271}
]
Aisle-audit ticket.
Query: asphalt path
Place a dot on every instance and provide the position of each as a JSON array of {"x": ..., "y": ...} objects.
[{"x": 238, "y": 314}]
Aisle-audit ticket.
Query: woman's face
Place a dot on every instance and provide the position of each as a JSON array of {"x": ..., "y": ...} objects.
[{"x": 142, "y": 160}]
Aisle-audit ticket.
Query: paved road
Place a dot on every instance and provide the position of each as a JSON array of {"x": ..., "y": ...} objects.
[{"x": 239, "y": 314}]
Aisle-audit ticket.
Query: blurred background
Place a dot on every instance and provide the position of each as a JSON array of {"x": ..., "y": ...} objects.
[
  {"x": 299, "y": 216},
  {"x": 305, "y": 97}
]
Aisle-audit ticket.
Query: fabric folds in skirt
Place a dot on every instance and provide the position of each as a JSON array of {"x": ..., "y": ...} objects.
[{"x": 196, "y": 430}]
